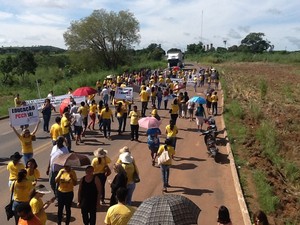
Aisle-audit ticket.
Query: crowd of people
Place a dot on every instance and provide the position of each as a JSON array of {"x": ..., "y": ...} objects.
[{"x": 155, "y": 88}]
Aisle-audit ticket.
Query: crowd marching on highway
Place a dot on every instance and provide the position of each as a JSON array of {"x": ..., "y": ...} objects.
[{"x": 158, "y": 90}]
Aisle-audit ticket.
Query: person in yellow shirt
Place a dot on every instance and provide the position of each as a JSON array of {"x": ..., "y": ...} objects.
[
  {"x": 119, "y": 114},
  {"x": 119, "y": 214},
  {"x": 55, "y": 130},
  {"x": 92, "y": 114},
  {"x": 134, "y": 115},
  {"x": 144, "y": 99},
  {"x": 100, "y": 164},
  {"x": 172, "y": 131},
  {"x": 214, "y": 103},
  {"x": 98, "y": 86},
  {"x": 66, "y": 179},
  {"x": 107, "y": 117},
  {"x": 33, "y": 174},
  {"x": 14, "y": 167},
  {"x": 21, "y": 191},
  {"x": 84, "y": 109},
  {"x": 26, "y": 139},
  {"x": 65, "y": 128},
  {"x": 165, "y": 166},
  {"x": 174, "y": 110},
  {"x": 17, "y": 101},
  {"x": 37, "y": 205}
]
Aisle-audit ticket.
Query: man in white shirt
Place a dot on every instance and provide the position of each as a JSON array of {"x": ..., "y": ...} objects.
[{"x": 104, "y": 95}]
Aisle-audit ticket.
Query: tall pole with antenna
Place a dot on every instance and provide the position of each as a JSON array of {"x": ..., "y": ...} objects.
[{"x": 201, "y": 27}]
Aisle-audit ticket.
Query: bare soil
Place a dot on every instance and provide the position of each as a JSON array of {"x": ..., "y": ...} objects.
[{"x": 281, "y": 106}]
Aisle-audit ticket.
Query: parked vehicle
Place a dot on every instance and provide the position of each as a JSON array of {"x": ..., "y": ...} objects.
[{"x": 175, "y": 58}]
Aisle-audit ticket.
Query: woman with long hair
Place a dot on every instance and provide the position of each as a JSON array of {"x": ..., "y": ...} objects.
[
  {"x": 92, "y": 114},
  {"x": 120, "y": 180},
  {"x": 171, "y": 132},
  {"x": 119, "y": 114},
  {"x": 224, "y": 216},
  {"x": 33, "y": 174},
  {"x": 46, "y": 111},
  {"x": 99, "y": 108},
  {"x": 174, "y": 110}
]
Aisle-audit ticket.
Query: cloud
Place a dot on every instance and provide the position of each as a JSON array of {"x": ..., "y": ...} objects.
[
  {"x": 245, "y": 29},
  {"x": 49, "y": 19},
  {"x": 274, "y": 11},
  {"x": 234, "y": 34},
  {"x": 294, "y": 40},
  {"x": 5, "y": 15}
]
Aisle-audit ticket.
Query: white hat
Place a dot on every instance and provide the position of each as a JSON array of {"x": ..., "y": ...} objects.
[
  {"x": 42, "y": 189},
  {"x": 126, "y": 157},
  {"x": 100, "y": 152}
]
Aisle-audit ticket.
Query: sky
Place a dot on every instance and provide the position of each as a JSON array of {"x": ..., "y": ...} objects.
[{"x": 171, "y": 23}]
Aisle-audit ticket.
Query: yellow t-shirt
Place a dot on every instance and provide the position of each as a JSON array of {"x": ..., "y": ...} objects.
[
  {"x": 144, "y": 96},
  {"x": 174, "y": 108},
  {"x": 214, "y": 98},
  {"x": 37, "y": 208},
  {"x": 99, "y": 110},
  {"x": 36, "y": 175},
  {"x": 99, "y": 167},
  {"x": 134, "y": 117},
  {"x": 120, "y": 114},
  {"x": 64, "y": 123},
  {"x": 170, "y": 150},
  {"x": 55, "y": 131},
  {"x": 22, "y": 190},
  {"x": 65, "y": 181},
  {"x": 84, "y": 110},
  {"x": 129, "y": 168},
  {"x": 17, "y": 102},
  {"x": 106, "y": 115},
  {"x": 153, "y": 94},
  {"x": 14, "y": 169},
  {"x": 26, "y": 143},
  {"x": 93, "y": 108},
  {"x": 171, "y": 133},
  {"x": 119, "y": 214}
]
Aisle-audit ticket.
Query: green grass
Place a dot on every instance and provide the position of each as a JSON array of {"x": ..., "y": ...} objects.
[
  {"x": 235, "y": 109},
  {"x": 267, "y": 200}
]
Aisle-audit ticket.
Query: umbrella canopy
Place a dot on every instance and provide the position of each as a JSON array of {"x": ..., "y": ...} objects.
[
  {"x": 198, "y": 99},
  {"x": 167, "y": 210},
  {"x": 72, "y": 159},
  {"x": 65, "y": 103},
  {"x": 84, "y": 91},
  {"x": 149, "y": 122}
]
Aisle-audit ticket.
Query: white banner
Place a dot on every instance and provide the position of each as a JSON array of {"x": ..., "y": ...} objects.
[
  {"x": 55, "y": 101},
  {"x": 23, "y": 115},
  {"x": 124, "y": 93}
]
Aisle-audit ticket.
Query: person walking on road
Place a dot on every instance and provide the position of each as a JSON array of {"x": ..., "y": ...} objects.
[
  {"x": 84, "y": 108},
  {"x": 46, "y": 111},
  {"x": 171, "y": 132},
  {"x": 120, "y": 213},
  {"x": 65, "y": 124},
  {"x": 14, "y": 167},
  {"x": 174, "y": 110},
  {"x": 33, "y": 174},
  {"x": 92, "y": 114},
  {"x": 200, "y": 115},
  {"x": 101, "y": 165},
  {"x": 89, "y": 194},
  {"x": 55, "y": 130},
  {"x": 119, "y": 114},
  {"x": 165, "y": 166},
  {"x": 107, "y": 117},
  {"x": 144, "y": 99},
  {"x": 66, "y": 179},
  {"x": 119, "y": 181},
  {"x": 134, "y": 115},
  {"x": 214, "y": 103},
  {"x": 26, "y": 139},
  {"x": 26, "y": 216}
]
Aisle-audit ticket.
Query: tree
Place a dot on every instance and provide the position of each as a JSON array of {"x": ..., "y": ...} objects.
[
  {"x": 108, "y": 34},
  {"x": 6, "y": 68},
  {"x": 195, "y": 48},
  {"x": 25, "y": 64},
  {"x": 255, "y": 43}
]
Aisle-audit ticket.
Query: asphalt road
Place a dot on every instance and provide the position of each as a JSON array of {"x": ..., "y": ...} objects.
[{"x": 194, "y": 174}]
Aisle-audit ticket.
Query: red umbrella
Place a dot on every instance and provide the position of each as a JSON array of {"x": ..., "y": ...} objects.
[
  {"x": 65, "y": 103},
  {"x": 149, "y": 122},
  {"x": 84, "y": 91}
]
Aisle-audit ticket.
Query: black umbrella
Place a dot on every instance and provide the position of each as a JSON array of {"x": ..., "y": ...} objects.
[{"x": 166, "y": 210}]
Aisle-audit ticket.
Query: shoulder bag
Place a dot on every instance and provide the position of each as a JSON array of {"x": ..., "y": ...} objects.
[
  {"x": 8, "y": 209},
  {"x": 164, "y": 157}
]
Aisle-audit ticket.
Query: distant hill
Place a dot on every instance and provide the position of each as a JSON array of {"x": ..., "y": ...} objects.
[{"x": 35, "y": 49}]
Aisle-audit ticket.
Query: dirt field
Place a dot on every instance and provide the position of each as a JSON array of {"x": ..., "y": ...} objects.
[{"x": 260, "y": 94}]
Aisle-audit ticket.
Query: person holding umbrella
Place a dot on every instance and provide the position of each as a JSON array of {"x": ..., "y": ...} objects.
[
  {"x": 101, "y": 168},
  {"x": 66, "y": 179}
]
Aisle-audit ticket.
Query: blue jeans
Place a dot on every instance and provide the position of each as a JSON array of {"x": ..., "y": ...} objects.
[
  {"x": 165, "y": 172},
  {"x": 130, "y": 189},
  {"x": 159, "y": 99},
  {"x": 120, "y": 120},
  {"x": 27, "y": 156},
  {"x": 105, "y": 99}
]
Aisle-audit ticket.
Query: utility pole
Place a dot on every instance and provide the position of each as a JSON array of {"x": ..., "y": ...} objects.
[{"x": 201, "y": 27}]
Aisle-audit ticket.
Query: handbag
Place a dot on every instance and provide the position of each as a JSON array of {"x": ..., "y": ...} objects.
[
  {"x": 164, "y": 157},
  {"x": 136, "y": 177},
  {"x": 8, "y": 208},
  {"x": 107, "y": 170}
]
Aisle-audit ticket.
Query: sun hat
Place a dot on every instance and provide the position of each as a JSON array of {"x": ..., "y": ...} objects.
[
  {"x": 126, "y": 157},
  {"x": 42, "y": 189},
  {"x": 100, "y": 152},
  {"x": 124, "y": 149},
  {"x": 16, "y": 156}
]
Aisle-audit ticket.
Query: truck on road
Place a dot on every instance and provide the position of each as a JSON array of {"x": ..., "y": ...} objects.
[{"x": 175, "y": 57}]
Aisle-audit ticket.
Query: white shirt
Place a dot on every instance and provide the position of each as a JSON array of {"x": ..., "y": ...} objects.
[
  {"x": 104, "y": 92},
  {"x": 78, "y": 119},
  {"x": 55, "y": 152}
]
